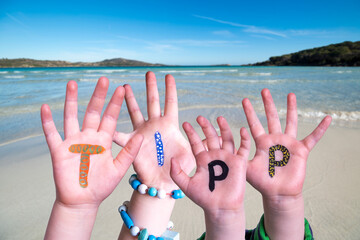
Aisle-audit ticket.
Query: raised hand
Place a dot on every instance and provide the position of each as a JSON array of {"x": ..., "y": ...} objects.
[
  {"x": 173, "y": 142},
  {"x": 287, "y": 180},
  {"x": 81, "y": 176},
  {"x": 218, "y": 185},
  {"x": 278, "y": 168}
]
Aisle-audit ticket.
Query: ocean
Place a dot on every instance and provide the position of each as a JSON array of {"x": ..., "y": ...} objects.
[{"x": 209, "y": 91}]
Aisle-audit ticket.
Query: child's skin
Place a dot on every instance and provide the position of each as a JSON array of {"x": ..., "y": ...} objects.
[
  {"x": 282, "y": 194},
  {"x": 75, "y": 208},
  {"x": 150, "y": 212},
  {"x": 223, "y": 207}
]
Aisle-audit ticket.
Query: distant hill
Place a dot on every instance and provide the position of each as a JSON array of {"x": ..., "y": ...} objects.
[
  {"x": 31, "y": 63},
  {"x": 341, "y": 54}
]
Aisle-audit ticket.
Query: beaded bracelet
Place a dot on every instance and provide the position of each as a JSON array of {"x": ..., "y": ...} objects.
[
  {"x": 153, "y": 192},
  {"x": 134, "y": 230}
]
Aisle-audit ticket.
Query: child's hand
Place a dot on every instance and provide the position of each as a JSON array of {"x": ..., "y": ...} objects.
[
  {"x": 287, "y": 180},
  {"x": 81, "y": 176},
  {"x": 218, "y": 185},
  {"x": 173, "y": 142},
  {"x": 280, "y": 179}
]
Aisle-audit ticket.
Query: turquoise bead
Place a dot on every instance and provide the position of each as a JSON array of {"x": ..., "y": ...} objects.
[
  {"x": 159, "y": 238},
  {"x": 152, "y": 192},
  {"x": 152, "y": 237},
  {"x": 176, "y": 194},
  {"x": 127, "y": 220},
  {"x": 143, "y": 234},
  {"x": 135, "y": 184}
]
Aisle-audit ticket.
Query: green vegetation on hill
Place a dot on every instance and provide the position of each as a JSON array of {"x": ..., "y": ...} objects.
[
  {"x": 31, "y": 63},
  {"x": 341, "y": 54}
]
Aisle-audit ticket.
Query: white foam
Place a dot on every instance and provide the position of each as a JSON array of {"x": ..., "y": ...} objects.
[{"x": 15, "y": 76}]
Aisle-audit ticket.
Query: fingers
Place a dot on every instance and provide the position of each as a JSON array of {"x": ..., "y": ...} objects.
[
  {"x": 95, "y": 106},
  {"x": 245, "y": 144},
  {"x": 153, "y": 103},
  {"x": 171, "y": 101},
  {"x": 133, "y": 108},
  {"x": 253, "y": 121},
  {"x": 112, "y": 111},
  {"x": 71, "y": 123},
  {"x": 179, "y": 176},
  {"x": 271, "y": 112},
  {"x": 291, "y": 116},
  {"x": 121, "y": 139},
  {"x": 210, "y": 133},
  {"x": 226, "y": 135},
  {"x": 128, "y": 154},
  {"x": 311, "y": 140},
  {"x": 52, "y": 136},
  {"x": 194, "y": 139}
]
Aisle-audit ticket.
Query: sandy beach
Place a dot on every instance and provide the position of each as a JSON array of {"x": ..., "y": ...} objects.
[{"x": 332, "y": 198}]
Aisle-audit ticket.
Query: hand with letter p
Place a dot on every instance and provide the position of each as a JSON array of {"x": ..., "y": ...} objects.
[{"x": 218, "y": 185}]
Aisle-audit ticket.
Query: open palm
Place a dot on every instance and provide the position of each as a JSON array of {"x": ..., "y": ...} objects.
[
  {"x": 197, "y": 188},
  {"x": 104, "y": 172},
  {"x": 174, "y": 144},
  {"x": 287, "y": 180}
]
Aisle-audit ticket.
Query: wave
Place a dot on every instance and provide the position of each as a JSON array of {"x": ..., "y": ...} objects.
[
  {"x": 199, "y": 71},
  {"x": 4, "y": 72},
  {"x": 244, "y": 74},
  {"x": 336, "y": 115},
  {"x": 341, "y": 72},
  {"x": 15, "y": 76},
  {"x": 105, "y": 70}
]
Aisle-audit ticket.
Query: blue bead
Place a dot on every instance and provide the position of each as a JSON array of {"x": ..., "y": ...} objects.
[
  {"x": 152, "y": 192},
  {"x": 127, "y": 220},
  {"x": 143, "y": 234},
  {"x": 135, "y": 184},
  {"x": 159, "y": 238},
  {"x": 176, "y": 194},
  {"x": 152, "y": 237}
]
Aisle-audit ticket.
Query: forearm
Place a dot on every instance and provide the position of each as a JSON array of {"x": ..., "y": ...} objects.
[
  {"x": 148, "y": 212},
  {"x": 225, "y": 225},
  {"x": 284, "y": 217},
  {"x": 71, "y": 222}
]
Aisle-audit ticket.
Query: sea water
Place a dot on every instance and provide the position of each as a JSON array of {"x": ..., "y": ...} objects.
[{"x": 210, "y": 91}]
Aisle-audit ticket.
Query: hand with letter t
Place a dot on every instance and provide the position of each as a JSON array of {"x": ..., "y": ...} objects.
[
  {"x": 277, "y": 170},
  {"x": 84, "y": 169},
  {"x": 218, "y": 185}
]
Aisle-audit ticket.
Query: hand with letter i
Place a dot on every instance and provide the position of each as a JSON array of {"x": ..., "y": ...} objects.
[
  {"x": 84, "y": 169},
  {"x": 155, "y": 192},
  {"x": 278, "y": 168},
  {"x": 218, "y": 185}
]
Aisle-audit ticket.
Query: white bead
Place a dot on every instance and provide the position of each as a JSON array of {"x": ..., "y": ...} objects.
[
  {"x": 126, "y": 203},
  {"x": 134, "y": 231},
  {"x": 170, "y": 225},
  {"x": 122, "y": 208},
  {"x": 161, "y": 193},
  {"x": 132, "y": 178},
  {"x": 142, "y": 188}
]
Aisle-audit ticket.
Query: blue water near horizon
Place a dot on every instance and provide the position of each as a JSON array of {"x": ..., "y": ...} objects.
[{"x": 319, "y": 91}]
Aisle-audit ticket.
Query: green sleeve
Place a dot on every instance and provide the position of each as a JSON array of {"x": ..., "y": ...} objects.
[{"x": 259, "y": 232}]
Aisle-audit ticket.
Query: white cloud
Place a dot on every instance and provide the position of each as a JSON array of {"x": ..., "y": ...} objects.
[
  {"x": 223, "y": 33},
  {"x": 247, "y": 28}
]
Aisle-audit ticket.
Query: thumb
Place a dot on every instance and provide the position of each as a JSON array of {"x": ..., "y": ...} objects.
[
  {"x": 128, "y": 154},
  {"x": 179, "y": 176}
]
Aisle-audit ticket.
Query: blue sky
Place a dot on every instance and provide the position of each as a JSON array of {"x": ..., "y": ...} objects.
[{"x": 173, "y": 32}]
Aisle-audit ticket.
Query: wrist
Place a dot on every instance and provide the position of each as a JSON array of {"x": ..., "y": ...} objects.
[
  {"x": 71, "y": 221},
  {"x": 225, "y": 224},
  {"x": 148, "y": 212},
  {"x": 86, "y": 208},
  {"x": 284, "y": 217},
  {"x": 283, "y": 204}
]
